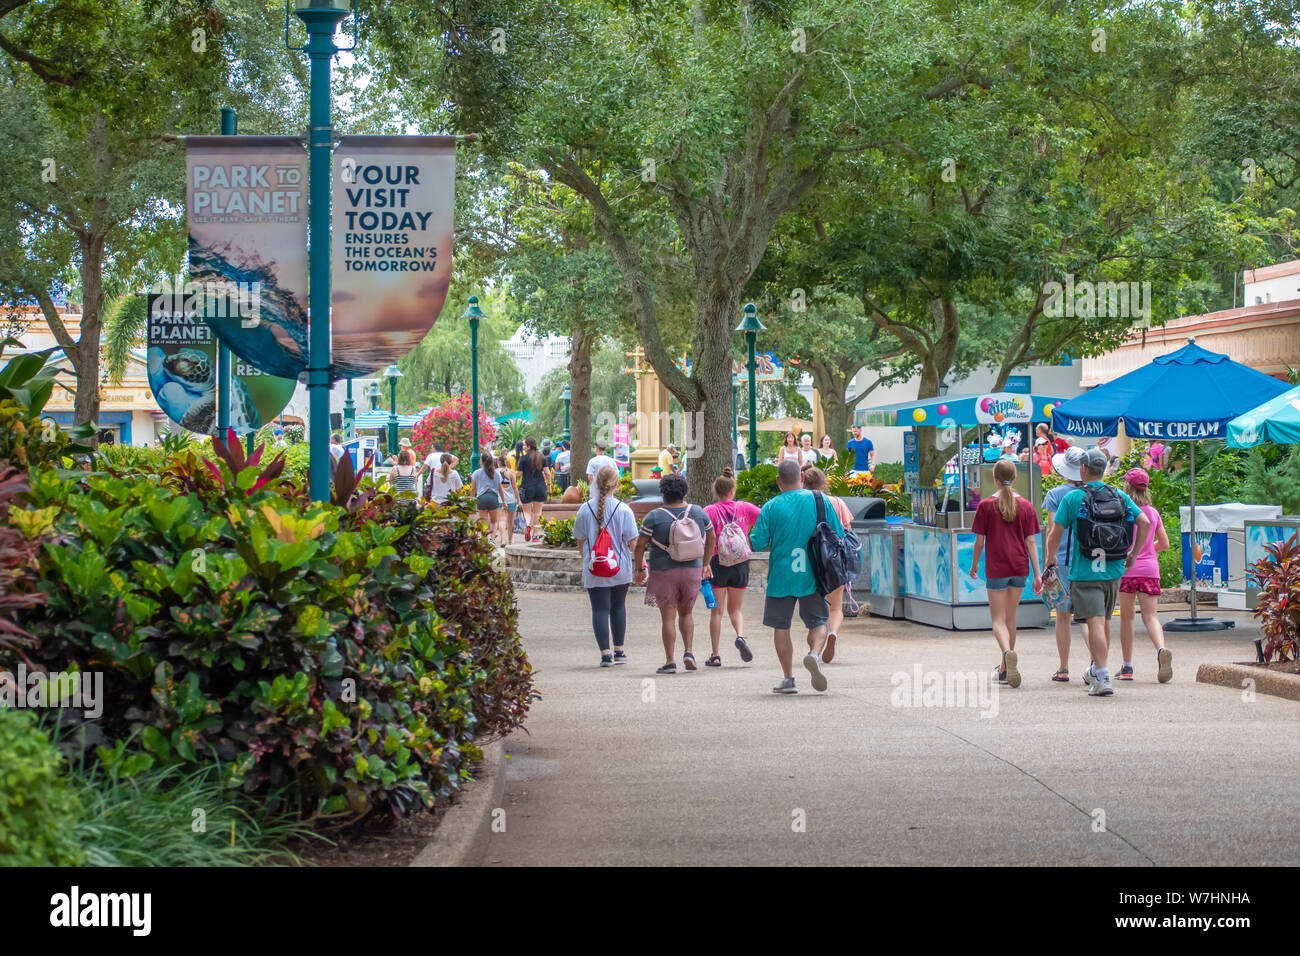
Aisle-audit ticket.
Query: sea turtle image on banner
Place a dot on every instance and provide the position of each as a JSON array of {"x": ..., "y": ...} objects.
[{"x": 182, "y": 364}]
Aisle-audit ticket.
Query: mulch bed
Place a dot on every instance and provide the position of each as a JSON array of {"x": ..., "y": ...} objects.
[
  {"x": 382, "y": 840},
  {"x": 1278, "y": 667}
]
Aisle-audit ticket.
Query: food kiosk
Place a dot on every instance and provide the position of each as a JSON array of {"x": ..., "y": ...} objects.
[
  {"x": 1258, "y": 534},
  {"x": 931, "y": 579}
]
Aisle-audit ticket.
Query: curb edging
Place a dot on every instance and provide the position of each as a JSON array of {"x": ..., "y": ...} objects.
[
  {"x": 461, "y": 837},
  {"x": 1286, "y": 686}
]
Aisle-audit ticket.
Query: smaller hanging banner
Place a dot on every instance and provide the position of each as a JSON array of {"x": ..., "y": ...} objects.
[
  {"x": 182, "y": 360},
  {"x": 393, "y": 202}
]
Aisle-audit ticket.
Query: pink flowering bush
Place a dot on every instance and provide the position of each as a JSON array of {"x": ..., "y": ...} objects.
[{"x": 450, "y": 427}]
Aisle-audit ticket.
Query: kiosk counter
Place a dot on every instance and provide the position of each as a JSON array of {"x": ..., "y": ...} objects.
[{"x": 928, "y": 581}]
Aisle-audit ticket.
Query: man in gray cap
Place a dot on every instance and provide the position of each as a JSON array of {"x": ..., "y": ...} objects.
[
  {"x": 1068, "y": 464},
  {"x": 1101, "y": 519}
]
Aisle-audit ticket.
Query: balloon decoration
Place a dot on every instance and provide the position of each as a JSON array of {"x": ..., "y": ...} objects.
[
  {"x": 918, "y": 414},
  {"x": 943, "y": 409}
]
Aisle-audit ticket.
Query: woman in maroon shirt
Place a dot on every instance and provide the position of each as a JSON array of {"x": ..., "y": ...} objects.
[{"x": 1005, "y": 528}]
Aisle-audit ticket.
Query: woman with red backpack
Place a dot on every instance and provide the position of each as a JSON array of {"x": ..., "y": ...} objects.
[
  {"x": 680, "y": 538},
  {"x": 605, "y": 529},
  {"x": 729, "y": 566}
]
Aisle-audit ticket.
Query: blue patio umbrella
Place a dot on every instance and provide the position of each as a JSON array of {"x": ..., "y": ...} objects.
[{"x": 1187, "y": 395}]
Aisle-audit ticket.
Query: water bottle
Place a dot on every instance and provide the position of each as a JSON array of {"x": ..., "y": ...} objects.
[{"x": 706, "y": 588}]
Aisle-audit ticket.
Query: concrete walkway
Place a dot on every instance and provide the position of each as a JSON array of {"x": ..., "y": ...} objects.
[{"x": 620, "y": 766}]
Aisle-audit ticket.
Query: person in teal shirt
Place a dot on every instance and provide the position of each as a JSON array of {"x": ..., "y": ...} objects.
[
  {"x": 1094, "y": 580},
  {"x": 783, "y": 528}
]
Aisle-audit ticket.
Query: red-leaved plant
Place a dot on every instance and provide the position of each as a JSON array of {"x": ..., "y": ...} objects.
[
  {"x": 189, "y": 469},
  {"x": 17, "y": 558},
  {"x": 1278, "y": 607}
]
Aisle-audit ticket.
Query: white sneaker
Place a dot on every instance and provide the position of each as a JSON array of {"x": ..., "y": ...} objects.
[
  {"x": 1100, "y": 688},
  {"x": 814, "y": 665},
  {"x": 1165, "y": 658},
  {"x": 1013, "y": 674}
]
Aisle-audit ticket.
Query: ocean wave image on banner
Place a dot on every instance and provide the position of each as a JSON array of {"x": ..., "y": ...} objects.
[{"x": 246, "y": 215}]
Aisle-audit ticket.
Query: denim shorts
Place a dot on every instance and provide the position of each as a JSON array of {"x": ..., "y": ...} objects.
[{"x": 1001, "y": 584}]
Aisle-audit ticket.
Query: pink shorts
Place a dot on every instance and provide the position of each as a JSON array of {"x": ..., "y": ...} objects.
[
  {"x": 676, "y": 587},
  {"x": 1139, "y": 585}
]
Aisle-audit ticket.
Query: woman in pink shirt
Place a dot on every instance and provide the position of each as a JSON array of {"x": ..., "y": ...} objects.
[
  {"x": 729, "y": 580},
  {"x": 1142, "y": 581}
]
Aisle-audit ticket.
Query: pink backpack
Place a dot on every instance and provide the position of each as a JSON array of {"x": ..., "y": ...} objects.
[
  {"x": 733, "y": 543},
  {"x": 685, "y": 543}
]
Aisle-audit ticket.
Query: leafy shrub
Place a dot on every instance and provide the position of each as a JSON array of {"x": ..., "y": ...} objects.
[
  {"x": 626, "y": 489},
  {"x": 1273, "y": 483},
  {"x": 510, "y": 433},
  {"x": 26, "y": 383},
  {"x": 290, "y": 641},
  {"x": 1171, "y": 566},
  {"x": 294, "y": 434},
  {"x": 889, "y": 472},
  {"x": 757, "y": 485},
  {"x": 558, "y": 532},
  {"x": 1278, "y": 607},
  {"x": 37, "y": 809},
  {"x": 132, "y": 458},
  {"x": 450, "y": 427}
]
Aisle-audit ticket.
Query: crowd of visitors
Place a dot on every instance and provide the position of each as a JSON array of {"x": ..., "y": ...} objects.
[{"x": 1100, "y": 544}]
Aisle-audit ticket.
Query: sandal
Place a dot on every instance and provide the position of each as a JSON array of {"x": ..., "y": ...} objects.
[
  {"x": 689, "y": 660},
  {"x": 714, "y": 661},
  {"x": 1062, "y": 676}
]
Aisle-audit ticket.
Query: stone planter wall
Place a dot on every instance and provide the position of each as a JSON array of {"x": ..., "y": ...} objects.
[{"x": 543, "y": 568}]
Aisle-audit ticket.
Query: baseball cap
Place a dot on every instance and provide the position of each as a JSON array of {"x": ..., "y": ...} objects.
[
  {"x": 1096, "y": 459},
  {"x": 1137, "y": 477},
  {"x": 1069, "y": 463}
]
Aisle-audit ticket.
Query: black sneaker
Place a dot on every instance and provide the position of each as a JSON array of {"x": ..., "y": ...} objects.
[
  {"x": 620, "y": 657},
  {"x": 606, "y": 660},
  {"x": 746, "y": 654},
  {"x": 668, "y": 669}
]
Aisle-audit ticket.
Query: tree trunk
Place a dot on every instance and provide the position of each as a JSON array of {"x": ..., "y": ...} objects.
[
  {"x": 835, "y": 413},
  {"x": 706, "y": 438},
  {"x": 580, "y": 400},
  {"x": 86, "y": 357}
]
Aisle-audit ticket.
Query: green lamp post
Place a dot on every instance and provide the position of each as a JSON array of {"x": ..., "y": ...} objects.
[
  {"x": 735, "y": 438},
  {"x": 349, "y": 415},
  {"x": 322, "y": 19},
  {"x": 751, "y": 327},
  {"x": 567, "y": 395},
  {"x": 375, "y": 395},
  {"x": 392, "y": 373},
  {"x": 473, "y": 313}
]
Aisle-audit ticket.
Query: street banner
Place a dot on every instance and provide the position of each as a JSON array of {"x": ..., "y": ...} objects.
[
  {"x": 246, "y": 210},
  {"x": 393, "y": 201},
  {"x": 182, "y": 361},
  {"x": 767, "y": 368}
]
